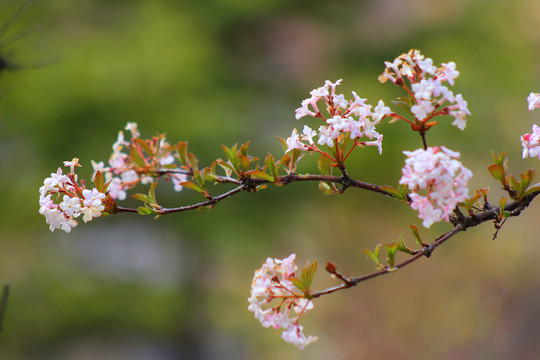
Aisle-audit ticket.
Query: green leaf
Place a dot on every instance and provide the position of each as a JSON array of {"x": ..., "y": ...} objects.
[
  {"x": 324, "y": 165},
  {"x": 142, "y": 197},
  {"x": 99, "y": 181},
  {"x": 402, "y": 247},
  {"x": 391, "y": 253},
  {"x": 136, "y": 157},
  {"x": 258, "y": 174},
  {"x": 192, "y": 161},
  {"x": 532, "y": 189},
  {"x": 416, "y": 234},
  {"x": 181, "y": 148},
  {"x": 393, "y": 192},
  {"x": 144, "y": 145},
  {"x": 244, "y": 149},
  {"x": 192, "y": 186},
  {"x": 232, "y": 156},
  {"x": 245, "y": 162},
  {"x": 307, "y": 275},
  {"x": 327, "y": 189},
  {"x": 142, "y": 210},
  {"x": 152, "y": 192},
  {"x": 283, "y": 143},
  {"x": 375, "y": 255},
  {"x": 497, "y": 171},
  {"x": 526, "y": 179},
  {"x": 299, "y": 284}
]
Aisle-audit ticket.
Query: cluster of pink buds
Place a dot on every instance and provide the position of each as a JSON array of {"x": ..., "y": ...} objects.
[
  {"x": 130, "y": 163},
  {"x": 531, "y": 142},
  {"x": 351, "y": 119},
  {"x": 438, "y": 174},
  {"x": 62, "y": 199},
  {"x": 274, "y": 281},
  {"x": 424, "y": 83}
]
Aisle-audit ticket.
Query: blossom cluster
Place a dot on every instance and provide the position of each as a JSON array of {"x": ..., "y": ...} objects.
[
  {"x": 274, "y": 281},
  {"x": 430, "y": 97},
  {"x": 438, "y": 173},
  {"x": 124, "y": 173},
  {"x": 531, "y": 142},
  {"x": 62, "y": 199},
  {"x": 352, "y": 119}
]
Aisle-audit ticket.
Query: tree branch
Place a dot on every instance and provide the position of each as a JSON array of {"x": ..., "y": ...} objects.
[{"x": 463, "y": 223}]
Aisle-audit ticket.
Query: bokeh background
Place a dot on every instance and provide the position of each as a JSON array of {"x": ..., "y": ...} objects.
[{"x": 223, "y": 71}]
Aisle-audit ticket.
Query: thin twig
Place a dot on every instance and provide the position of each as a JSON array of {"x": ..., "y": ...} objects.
[{"x": 463, "y": 223}]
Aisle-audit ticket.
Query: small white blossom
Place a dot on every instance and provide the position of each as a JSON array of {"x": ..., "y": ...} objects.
[{"x": 534, "y": 101}]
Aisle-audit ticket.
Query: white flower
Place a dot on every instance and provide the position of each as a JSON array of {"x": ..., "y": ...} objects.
[
  {"x": 327, "y": 135},
  {"x": 293, "y": 142},
  {"x": 131, "y": 126},
  {"x": 273, "y": 281},
  {"x": 534, "y": 101},
  {"x": 295, "y": 335},
  {"x": 426, "y": 65},
  {"x": 531, "y": 143},
  {"x": 92, "y": 197},
  {"x": 71, "y": 206},
  {"x": 422, "y": 109},
  {"x": 339, "y": 101},
  {"x": 448, "y": 72}
]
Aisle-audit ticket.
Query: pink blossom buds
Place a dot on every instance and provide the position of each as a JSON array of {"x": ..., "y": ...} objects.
[
  {"x": 440, "y": 177},
  {"x": 276, "y": 280}
]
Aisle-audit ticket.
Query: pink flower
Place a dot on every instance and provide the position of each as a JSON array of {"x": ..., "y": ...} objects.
[
  {"x": 273, "y": 282},
  {"x": 293, "y": 142},
  {"x": 448, "y": 72},
  {"x": 531, "y": 143},
  {"x": 295, "y": 335},
  {"x": 436, "y": 173},
  {"x": 534, "y": 101},
  {"x": 352, "y": 118}
]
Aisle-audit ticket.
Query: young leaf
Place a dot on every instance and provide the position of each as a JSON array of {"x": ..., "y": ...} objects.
[
  {"x": 307, "y": 275},
  {"x": 258, "y": 174},
  {"x": 497, "y": 171},
  {"x": 99, "y": 181},
  {"x": 192, "y": 186},
  {"x": 142, "y": 197},
  {"x": 181, "y": 148},
  {"x": 144, "y": 145},
  {"x": 142, "y": 210},
  {"x": 324, "y": 165},
  {"x": 136, "y": 157},
  {"x": 416, "y": 234},
  {"x": 192, "y": 161},
  {"x": 375, "y": 255}
]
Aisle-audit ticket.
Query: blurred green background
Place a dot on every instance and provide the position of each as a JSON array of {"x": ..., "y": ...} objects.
[{"x": 224, "y": 71}]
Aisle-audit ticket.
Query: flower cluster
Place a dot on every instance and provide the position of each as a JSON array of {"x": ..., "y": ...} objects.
[
  {"x": 531, "y": 142},
  {"x": 437, "y": 172},
  {"x": 62, "y": 199},
  {"x": 130, "y": 163},
  {"x": 429, "y": 97},
  {"x": 274, "y": 280},
  {"x": 351, "y": 119}
]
